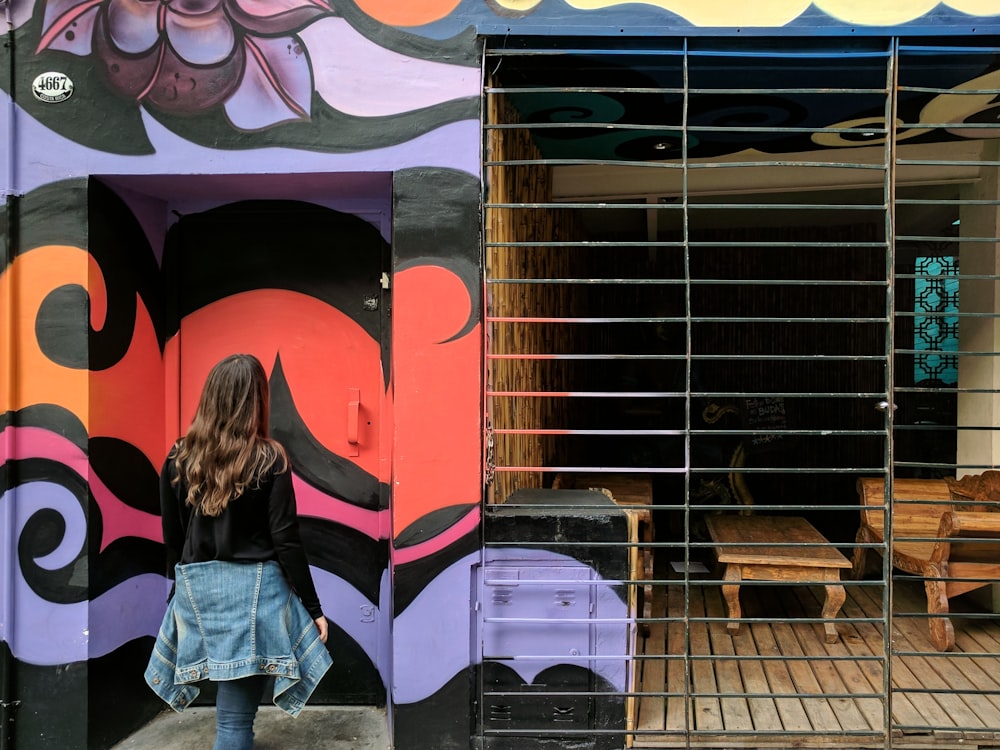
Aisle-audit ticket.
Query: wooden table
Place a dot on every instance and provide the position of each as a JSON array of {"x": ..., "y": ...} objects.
[{"x": 817, "y": 562}]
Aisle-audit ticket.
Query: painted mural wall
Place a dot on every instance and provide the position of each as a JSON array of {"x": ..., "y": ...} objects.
[
  {"x": 124, "y": 279},
  {"x": 186, "y": 179}
]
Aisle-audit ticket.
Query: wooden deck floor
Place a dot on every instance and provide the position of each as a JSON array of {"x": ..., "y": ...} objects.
[{"x": 743, "y": 697}]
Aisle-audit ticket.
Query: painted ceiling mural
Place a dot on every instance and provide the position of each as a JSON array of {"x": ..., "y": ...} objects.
[
  {"x": 441, "y": 19},
  {"x": 832, "y": 96}
]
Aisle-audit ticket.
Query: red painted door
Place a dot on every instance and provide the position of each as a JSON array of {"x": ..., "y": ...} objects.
[{"x": 300, "y": 287}]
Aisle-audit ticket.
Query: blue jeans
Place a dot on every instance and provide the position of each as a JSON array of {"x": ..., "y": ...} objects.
[{"x": 235, "y": 709}]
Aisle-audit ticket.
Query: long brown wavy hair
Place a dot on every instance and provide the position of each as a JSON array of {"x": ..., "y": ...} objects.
[{"x": 226, "y": 449}]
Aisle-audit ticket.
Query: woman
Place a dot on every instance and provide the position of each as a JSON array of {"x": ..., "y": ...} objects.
[{"x": 244, "y": 609}]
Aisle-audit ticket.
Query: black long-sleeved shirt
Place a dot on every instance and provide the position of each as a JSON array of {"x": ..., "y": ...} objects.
[{"x": 259, "y": 525}]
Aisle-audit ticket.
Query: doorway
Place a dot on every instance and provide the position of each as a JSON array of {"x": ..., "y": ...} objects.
[{"x": 300, "y": 286}]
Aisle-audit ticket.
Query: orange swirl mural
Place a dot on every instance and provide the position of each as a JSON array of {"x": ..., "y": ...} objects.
[{"x": 111, "y": 346}]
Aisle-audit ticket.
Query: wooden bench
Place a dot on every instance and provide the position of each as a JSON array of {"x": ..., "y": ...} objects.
[{"x": 931, "y": 539}]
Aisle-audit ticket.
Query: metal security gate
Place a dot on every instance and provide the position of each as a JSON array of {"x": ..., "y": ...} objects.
[{"x": 741, "y": 316}]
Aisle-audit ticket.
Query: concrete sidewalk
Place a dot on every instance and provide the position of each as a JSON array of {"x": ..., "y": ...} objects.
[{"x": 328, "y": 727}]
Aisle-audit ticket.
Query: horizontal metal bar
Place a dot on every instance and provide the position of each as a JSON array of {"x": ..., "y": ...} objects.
[
  {"x": 490, "y": 90},
  {"x": 548, "y": 730},
  {"x": 946, "y": 731},
  {"x": 942, "y": 239},
  {"x": 680, "y": 243},
  {"x": 718, "y": 433},
  {"x": 567, "y": 693},
  {"x": 687, "y": 585},
  {"x": 686, "y": 579},
  {"x": 557, "y": 432},
  {"x": 945, "y": 163},
  {"x": 695, "y": 658},
  {"x": 777, "y": 91},
  {"x": 696, "y": 165},
  {"x": 590, "y": 394},
  {"x": 950, "y": 92},
  {"x": 680, "y": 205},
  {"x": 906, "y": 47},
  {"x": 692, "y": 319},
  {"x": 696, "y": 470},
  {"x": 564, "y": 693},
  {"x": 947, "y": 202},
  {"x": 582, "y": 162},
  {"x": 789, "y": 206},
  {"x": 794, "y": 245},
  {"x": 615, "y": 469},
  {"x": 561, "y": 621},
  {"x": 958, "y": 125},
  {"x": 873, "y": 470},
  {"x": 587, "y": 243},
  {"x": 592, "y": 357},
  {"x": 697, "y": 506},
  {"x": 573, "y": 52},
  {"x": 693, "y": 394},
  {"x": 950, "y": 276},
  {"x": 671, "y": 126},
  {"x": 667, "y": 583},
  {"x": 697, "y": 357},
  {"x": 595, "y": 205},
  {"x": 709, "y": 282},
  {"x": 695, "y": 53},
  {"x": 589, "y": 620},
  {"x": 949, "y": 353},
  {"x": 582, "y": 320},
  {"x": 948, "y": 314},
  {"x": 956, "y": 655},
  {"x": 764, "y": 657},
  {"x": 495, "y": 281}
]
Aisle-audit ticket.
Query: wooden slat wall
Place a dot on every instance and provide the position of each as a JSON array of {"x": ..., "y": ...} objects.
[
  {"x": 524, "y": 184},
  {"x": 819, "y": 301}
]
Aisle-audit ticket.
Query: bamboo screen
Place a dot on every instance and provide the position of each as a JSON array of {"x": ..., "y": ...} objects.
[{"x": 506, "y": 298}]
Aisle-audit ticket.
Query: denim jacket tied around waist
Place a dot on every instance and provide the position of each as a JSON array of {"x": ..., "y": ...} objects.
[{"x": 229, "y": 620}]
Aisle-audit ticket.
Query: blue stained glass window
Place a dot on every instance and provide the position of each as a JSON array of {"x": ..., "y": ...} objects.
[{"x": 935, "y": 325}]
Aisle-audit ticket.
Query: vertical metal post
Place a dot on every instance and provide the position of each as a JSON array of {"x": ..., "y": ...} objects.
[
  {"x": 890, "y": 261},
  {"x": 685, "y": 229},
  {"x": 485, "y": 144}
]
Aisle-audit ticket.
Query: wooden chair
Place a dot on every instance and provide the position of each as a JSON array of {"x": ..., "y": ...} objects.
[{"x": 936, "y": 537}]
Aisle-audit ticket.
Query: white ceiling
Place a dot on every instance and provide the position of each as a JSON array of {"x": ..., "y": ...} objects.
[{"x": 817, "y": 177}]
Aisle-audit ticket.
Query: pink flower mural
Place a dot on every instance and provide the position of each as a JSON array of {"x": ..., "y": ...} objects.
[{"x": 187, "y": 56}]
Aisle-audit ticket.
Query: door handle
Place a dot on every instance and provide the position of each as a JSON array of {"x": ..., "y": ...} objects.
[{"x": 353, "y": 415}]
